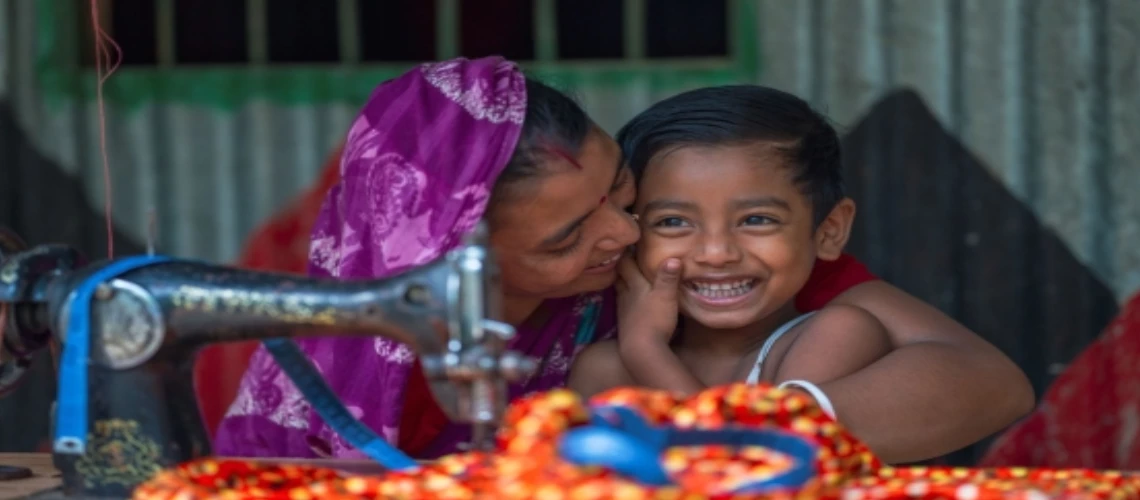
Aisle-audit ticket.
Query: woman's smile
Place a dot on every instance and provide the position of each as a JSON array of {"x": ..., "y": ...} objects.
[{"x": 604, "y": 266}]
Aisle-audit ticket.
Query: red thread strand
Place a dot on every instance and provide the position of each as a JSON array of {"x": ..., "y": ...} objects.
[{"x": 107, "y": 60}]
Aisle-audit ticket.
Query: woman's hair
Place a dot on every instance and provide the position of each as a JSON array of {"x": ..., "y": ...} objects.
[
  {"x": 555, "y": 127},
  {"x": 742, "y": 115}
]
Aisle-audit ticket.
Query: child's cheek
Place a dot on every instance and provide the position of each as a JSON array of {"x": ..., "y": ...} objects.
[{"x": 653, "y": 250}]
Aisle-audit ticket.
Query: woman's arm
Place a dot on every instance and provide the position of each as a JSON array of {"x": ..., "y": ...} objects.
[
  {"x": 941, "y": 389},
  {"x": 598, "y": 368}
]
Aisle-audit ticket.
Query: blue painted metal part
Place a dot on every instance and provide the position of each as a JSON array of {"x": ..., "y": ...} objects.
[{"x": 71, "y": 415}]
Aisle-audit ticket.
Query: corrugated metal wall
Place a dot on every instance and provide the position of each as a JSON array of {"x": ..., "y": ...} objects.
[
  {"x": 5, "y": 49},
  {"x": 1044, "y": 91},
  {"x": 210, "y": 172}
]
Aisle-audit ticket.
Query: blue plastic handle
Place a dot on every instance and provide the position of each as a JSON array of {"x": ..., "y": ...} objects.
[
  {"x": 325, "y": 402},
  {"x": 622, "y": 441}
]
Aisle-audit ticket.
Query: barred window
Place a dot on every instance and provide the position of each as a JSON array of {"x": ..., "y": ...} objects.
[{"x": 290, "y": 32}]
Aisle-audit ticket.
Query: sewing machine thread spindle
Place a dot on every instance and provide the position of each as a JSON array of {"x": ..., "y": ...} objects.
[{"x": 151, "y": 230}]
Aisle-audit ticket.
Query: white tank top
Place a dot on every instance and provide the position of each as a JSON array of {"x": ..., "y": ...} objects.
[{"x": 754, "y": 375}]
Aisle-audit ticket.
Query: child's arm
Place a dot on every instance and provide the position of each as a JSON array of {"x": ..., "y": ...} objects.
[
  {"x": 942, "y": 388},
  {"x": 597, "y": 369},
  {"x": 837, "y": 341}
]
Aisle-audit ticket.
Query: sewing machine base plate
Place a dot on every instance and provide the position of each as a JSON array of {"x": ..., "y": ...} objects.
[{"x": 44, "y": 483}]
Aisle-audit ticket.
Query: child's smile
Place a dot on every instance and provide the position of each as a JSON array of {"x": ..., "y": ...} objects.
[{"x": 721, "y": 291}]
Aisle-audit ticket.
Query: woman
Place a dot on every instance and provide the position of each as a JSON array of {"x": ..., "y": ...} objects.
[{"x": 448, "y": 143}]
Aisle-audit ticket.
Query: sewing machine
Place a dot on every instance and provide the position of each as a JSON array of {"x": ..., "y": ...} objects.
[{"x": 148, "y": 321}]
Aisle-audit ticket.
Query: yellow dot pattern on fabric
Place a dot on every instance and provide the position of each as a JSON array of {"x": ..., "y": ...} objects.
[{"x": 526, "y": 464}]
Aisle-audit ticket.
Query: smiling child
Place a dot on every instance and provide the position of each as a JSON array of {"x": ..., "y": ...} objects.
[{"x": 738, "y": 196}]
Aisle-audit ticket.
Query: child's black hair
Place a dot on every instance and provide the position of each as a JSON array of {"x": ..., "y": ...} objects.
[{"x": 743, "y": 114}]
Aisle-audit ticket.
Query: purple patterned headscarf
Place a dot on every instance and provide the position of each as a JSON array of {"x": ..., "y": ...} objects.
[{"x": 416, "y": 173}]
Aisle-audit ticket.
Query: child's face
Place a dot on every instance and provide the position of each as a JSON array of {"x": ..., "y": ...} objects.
[{"x": 742, "y": 228}]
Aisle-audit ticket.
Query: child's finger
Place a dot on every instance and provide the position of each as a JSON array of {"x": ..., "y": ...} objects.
[{"x": 668, "y": 276}]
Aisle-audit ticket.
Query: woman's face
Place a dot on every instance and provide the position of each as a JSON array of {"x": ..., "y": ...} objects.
[{"x": 562, "y": 233}]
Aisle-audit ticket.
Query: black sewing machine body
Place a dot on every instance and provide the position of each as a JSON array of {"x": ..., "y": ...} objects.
[{"x": 147, "y": 326}]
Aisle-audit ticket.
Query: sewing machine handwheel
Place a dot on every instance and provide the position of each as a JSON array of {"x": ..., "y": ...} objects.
[{"x": 12, "y": 371}]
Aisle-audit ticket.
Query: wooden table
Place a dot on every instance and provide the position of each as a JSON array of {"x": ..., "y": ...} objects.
[{"x": 45, "y": 477}]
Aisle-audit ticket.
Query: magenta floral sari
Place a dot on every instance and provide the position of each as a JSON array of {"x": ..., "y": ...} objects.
[{"x": 417, "y": 170}]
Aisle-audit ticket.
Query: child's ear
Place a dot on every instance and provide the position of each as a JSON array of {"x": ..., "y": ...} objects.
[{"x": 832, "y": 234}]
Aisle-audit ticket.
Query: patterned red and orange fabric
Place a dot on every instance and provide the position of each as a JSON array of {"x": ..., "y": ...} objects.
[{"x": 526, "y": 463}]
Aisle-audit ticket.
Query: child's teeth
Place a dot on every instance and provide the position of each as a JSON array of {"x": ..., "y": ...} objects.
[{"x": 722, "y": 290}]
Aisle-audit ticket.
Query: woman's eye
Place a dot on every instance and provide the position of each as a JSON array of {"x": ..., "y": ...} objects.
[
  {"x": 758, "y": 220},
  {"x": 671, "y": 222},
  {"x": 568, "y": 249}
]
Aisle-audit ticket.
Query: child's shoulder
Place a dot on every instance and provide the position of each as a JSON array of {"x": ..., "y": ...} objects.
[
  {"x": 838, "y": 328},
  {"x": 841, "y": 316}
]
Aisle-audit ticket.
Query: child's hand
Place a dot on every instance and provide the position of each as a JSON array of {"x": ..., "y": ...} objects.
[
  {"x": 647, "y": 318},
  {"x": 647, "y": 311}
]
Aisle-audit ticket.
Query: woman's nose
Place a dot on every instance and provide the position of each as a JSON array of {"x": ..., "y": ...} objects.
[
  {"x": 717, "y": 250},
  {"x": 622, "y": 231}
]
